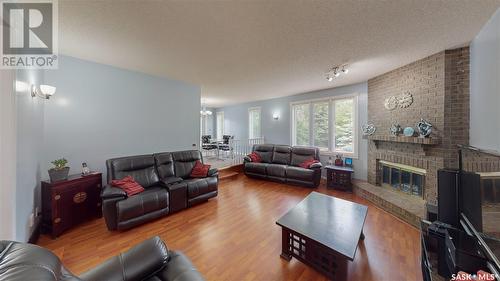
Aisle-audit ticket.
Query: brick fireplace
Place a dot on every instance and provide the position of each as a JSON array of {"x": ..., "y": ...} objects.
[{"x": 439, "y": 85}]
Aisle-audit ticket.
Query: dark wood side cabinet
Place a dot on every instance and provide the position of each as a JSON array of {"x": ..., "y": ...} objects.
[
  {"x": 70, "y": 202},
  {"x": 339, "y": 177}
]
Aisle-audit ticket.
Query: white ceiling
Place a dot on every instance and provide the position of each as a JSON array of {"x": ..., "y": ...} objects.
[{"x": 241, "y": 51}]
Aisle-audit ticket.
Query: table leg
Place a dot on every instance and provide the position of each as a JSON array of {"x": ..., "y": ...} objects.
[{"x": 285, "y": 245}]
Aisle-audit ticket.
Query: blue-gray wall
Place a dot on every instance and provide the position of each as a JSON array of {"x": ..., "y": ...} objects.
[
  {"x": 100, "y": 112},
  {"x": 29, "y": 151},
  {"x": 279, "y": 131},
  {"x": 8, "y": 155},
  {"x": 485, "y": 86}
]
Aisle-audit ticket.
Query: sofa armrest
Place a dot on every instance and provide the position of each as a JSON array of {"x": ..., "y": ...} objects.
[
  {"x": 180, "y": 268},
  {"x": 316, "y": 166},
  {"x": 140, "y": 262},
  {"x": 171, "y": 180},
  {"x": 177, "y": 196},
  {"x": 110, "y": 196},
  {"x": 213, "y": 172},
  {"x": 109, "y": 192}
]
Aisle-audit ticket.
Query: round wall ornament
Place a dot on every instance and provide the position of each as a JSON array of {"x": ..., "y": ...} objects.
[
  {"x": 424, "y": 128},
  {"x": 405, "y": 100},
  {"x": 368, "y": 129},
  {"x": 391, "y": 103},
  {"x": 408, "y": 132},
  {"x": 396, "y": 129}
]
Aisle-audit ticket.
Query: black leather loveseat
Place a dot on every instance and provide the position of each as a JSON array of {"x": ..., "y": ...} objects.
[
  {"x": 168, "y": 187},
  {"x": 281, "y": 163},
  {"x": 150, "y": 261}
]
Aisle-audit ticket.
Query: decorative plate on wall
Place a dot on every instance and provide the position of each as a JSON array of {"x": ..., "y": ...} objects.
[
  {"x": 405, "y": 100},
  {"x": 402, "y": 101},
  {"x": 391, "y": 103}
]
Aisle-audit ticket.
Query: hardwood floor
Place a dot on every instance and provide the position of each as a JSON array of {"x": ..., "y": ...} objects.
[{"x": 234, "y": 237}]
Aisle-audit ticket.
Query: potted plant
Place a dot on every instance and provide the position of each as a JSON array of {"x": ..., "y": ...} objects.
[{"x": 60, "y": 171}]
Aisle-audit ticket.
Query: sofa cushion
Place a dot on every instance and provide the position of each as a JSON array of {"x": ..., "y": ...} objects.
[
  {"x": 153, "y": 199},
  {"x": 299, "y": 173},
  {"x": 129, "y": 185},
  {"x": 184, "y": 162},
  {"x": 282, "y": 154},
  {"x": 142, "y": 168},
  {"x": 165, "y": 164},
  {"x": 200, "y": 186},
  {"x": 256, "y": 168},
  {"x": 276, "y": 170},
  {"x": 265, "y": 151},
  {"x": 302, "y": 153}
]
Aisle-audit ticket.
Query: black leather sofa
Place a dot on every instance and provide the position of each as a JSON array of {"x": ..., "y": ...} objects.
[
  {"x": 165, "y": 176},
  {"x": 151, "y": 260},
  {"x": 281, "y": 163}
]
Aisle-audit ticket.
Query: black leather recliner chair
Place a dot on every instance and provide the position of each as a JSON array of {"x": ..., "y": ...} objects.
[
  {"x": 151, "y": 260},
  {"x": 281, "y": 163},
  {"x": 165, "y": 176}
]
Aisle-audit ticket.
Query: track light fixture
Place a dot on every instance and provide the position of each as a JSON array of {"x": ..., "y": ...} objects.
[{"x": 335, "y": 72}]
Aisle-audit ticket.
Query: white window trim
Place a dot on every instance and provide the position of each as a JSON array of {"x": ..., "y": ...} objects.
[
  {"x": 331, "y": 140},
  {"x": 255, "y": 108},
  {"x": 217, "y": 124}
]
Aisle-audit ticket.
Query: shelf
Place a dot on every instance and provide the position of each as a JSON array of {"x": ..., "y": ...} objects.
[{"x": 403, "y": 139}]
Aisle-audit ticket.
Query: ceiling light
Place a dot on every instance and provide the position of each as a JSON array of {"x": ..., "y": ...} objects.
[
  {"x": 204, "y": 111},
  {"x": 335, "y": 72}
]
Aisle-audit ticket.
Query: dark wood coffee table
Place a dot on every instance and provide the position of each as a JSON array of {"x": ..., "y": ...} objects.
[{"x": 323, "y": 232}]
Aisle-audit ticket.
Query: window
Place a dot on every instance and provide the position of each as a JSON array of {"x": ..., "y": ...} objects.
[
  {"x": 254, "y": 123},
  {"x": 329, "y": 124},
  {"x": 301, "y": 121},
  {"x": 344, "y": 125},
  {"x": 219, "y": 117},
  {"x": 320, "y": 124}
]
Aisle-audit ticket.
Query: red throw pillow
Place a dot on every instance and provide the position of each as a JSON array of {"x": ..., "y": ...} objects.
[
  {"x": 129, "y": 185},
  {"x": 307, "y": 163},
  {"x": 200, "y": 170},
  {"x": 255, "y": 157}
]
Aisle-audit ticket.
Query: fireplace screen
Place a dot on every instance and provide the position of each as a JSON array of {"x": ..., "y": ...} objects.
[{"x": 403, "y": 178}]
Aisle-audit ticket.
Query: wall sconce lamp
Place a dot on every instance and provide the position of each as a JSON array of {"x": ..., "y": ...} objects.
[
  {"x": 276, "y": 116},
  {"x": 44, "y": 91}
]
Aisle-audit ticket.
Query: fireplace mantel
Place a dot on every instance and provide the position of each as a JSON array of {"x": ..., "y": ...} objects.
[{"x": 403, "y": 139}]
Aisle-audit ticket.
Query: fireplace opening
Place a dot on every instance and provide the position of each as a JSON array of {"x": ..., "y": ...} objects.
[{"x": 402, "y": 178}]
